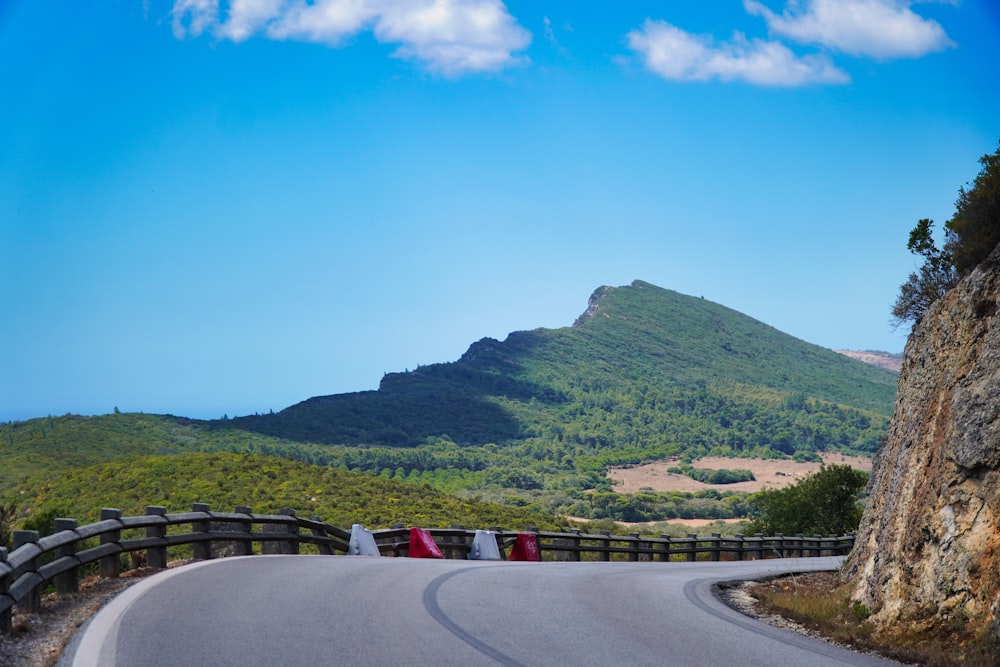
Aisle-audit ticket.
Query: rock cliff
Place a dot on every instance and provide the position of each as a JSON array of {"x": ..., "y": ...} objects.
[{"x": 928, "y": 549}]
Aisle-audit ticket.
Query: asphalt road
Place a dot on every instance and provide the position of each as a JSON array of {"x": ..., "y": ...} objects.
[{"x": 314, "y": 610}]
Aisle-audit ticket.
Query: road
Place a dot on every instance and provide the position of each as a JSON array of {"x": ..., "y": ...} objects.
[{"x": 314, "y": 610}]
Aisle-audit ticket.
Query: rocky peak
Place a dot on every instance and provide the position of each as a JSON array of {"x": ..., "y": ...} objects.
[
  {"x": 928, "y": 548},
  {"x": 593, "y": 303}
]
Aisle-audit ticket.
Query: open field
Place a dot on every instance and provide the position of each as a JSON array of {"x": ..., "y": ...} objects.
[{"x": 770, "y": 473}]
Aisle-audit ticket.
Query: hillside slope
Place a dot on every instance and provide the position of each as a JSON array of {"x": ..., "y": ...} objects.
[
  {"x": 633, "y": 341},
  {"x": 265, "y": 484}
]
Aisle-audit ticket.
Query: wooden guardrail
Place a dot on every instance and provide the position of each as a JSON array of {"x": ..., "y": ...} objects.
[{"x": 58, "y": 559}]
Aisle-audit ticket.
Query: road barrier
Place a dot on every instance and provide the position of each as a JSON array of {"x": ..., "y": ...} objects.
[{"x": 59, "y": 558}]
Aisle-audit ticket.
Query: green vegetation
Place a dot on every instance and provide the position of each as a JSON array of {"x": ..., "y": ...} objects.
[
  {"x": 42, "y": 446},
  {"x": 536, "y": 420},
  {"x": 710, "y": 476},
  {"x": 8, "y": 513},
  {"x": 265, "y": 484},
  {"x": 824, "y": 503},
  {"x": 650, "y": 505},
  {"x": 970, "y": 236}
]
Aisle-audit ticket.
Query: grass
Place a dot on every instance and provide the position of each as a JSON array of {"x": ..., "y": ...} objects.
[{"x": 821, "y": 603}]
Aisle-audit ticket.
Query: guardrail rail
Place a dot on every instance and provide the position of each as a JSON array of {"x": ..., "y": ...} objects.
[{"x": 59, "y": 558}]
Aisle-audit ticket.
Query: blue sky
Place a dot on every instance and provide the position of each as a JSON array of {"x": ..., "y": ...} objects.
[{"x": 213, "y": 208}]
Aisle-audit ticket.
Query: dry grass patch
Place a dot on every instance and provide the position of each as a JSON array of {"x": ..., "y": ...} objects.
[
  {"x": 820, "y": 603},
  {"x": 769, "y": 473}
]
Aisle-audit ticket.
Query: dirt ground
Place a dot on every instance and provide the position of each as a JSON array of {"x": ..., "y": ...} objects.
[{"x": 770, "y": 473}]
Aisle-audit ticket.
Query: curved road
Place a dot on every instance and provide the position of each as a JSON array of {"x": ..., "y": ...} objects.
[{"x": 314, "y": 610}]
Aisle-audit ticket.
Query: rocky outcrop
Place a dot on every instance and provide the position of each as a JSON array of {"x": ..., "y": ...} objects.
[
  {"x": 928, "y": 548},
  {"x": 592, "y": 305}
]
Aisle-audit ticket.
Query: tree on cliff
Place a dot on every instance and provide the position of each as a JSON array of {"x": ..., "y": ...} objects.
[
  {"x": 975, "y": 227},
  {"x": 928, "y": 283},
  {"x": 970, "y": 236}
]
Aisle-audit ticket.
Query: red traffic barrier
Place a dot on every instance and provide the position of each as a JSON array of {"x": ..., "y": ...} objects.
[
  {"x": 422, "y": 545},
  {"x": 525, "y": 548}
]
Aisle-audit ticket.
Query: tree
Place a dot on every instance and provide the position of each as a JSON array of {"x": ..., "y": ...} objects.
[
  {"x": 929, "y": 283},
  {"x": 825, "y": 502},
  {"x": 970, "y": 236},
  {"x": 975, "y": 227}
]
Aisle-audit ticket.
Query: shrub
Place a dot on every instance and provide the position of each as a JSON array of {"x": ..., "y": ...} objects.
[{"x": 825, "y": 502}]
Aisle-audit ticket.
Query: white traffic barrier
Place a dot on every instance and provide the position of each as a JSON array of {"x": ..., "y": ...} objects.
[
  {"x": 484, "y": 546},
  {"x": 362, "y": 542}
]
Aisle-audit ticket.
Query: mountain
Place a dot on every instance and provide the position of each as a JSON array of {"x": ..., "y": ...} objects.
[
  {"x": 633, "y": 343},
  {"x": 535, "y": 420}
]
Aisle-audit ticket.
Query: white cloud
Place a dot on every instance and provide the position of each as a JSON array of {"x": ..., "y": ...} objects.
[
  {"x": 246, "y": 17},
  {"x": 877, "y": 28},
  {"x": 678, "y": 55},
  {"x": 451, "y": 37},
  {"x": 324, "y": 21},
  {"x": 193, "y": 17}
]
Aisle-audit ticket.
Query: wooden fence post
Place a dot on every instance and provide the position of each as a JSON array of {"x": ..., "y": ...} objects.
[
  {"x": 739, "y": 546},
  {"x": 111, "y": 565},
  {"x": 291, "y": 545},
  {"x": 784, "y": 545},
  {"x": 68, "y": 581},
  {"x": 245, "y": 547},
  {"x": 156, "y": 557},
  {"x": 716, "y": 546},
  {"x": 575, "y": 555},
  {"x": 693, "y": 546},
  {"x": 605, "y": 543},
  {"x": 324, "y": 549},
  {"x": 202, "y": 549},
  {"x": 33, "y": 600},
  {"x": 6, "y": 616},
  {"x": 665, "y": 548},
  {"x": 633, "y": 553}
]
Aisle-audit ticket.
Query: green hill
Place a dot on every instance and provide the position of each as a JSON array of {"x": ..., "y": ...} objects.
[
  {"x": 536, "y": 419},
  {"x": 638, "y": 351},
  {"x": 266, "y": 484}
]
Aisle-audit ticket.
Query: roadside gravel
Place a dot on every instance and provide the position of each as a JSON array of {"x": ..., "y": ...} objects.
[{"x": 39, "y": 638}]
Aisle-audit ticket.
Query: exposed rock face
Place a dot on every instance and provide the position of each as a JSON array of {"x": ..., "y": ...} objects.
[
  {"x": 593, "y": 304},
  {"x": 928, "y": 549}
]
